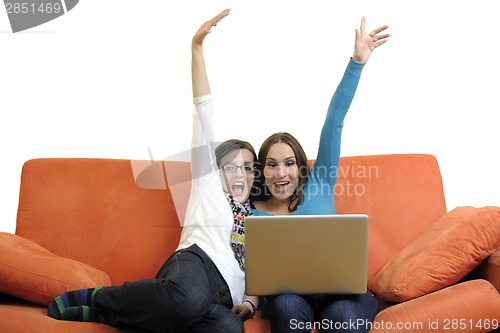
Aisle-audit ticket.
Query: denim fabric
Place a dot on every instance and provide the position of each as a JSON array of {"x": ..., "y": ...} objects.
[
  {"x": 330, "y": 313},
  {"x": 187, "y": 295}
]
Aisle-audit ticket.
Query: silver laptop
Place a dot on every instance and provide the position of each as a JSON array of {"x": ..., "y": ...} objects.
[{"x": 306, "y": 254}]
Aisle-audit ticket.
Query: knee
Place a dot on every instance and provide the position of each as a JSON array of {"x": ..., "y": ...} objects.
[
  {"x": 352, "y": 309},
  {"x": 287, "y": 307}
]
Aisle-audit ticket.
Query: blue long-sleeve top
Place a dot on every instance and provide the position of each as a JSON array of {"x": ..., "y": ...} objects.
[{"x": 319, "y": 189}]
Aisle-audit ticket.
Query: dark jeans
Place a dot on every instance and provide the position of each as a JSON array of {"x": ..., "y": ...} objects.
[
  {"x": 187, "y": 295},
  {"x": 330, "y": 313}
]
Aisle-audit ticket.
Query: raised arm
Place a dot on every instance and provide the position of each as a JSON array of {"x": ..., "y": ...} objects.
[
  {"x": 202, "y": 155},
  {"x": 329, "y": 147},
  {"x": 199, "y": 76}
]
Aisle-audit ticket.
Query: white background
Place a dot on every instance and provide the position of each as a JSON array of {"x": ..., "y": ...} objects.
[{"x": 111, "y": 78}]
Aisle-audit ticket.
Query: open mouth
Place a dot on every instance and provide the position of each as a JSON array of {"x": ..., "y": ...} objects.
[
  {"x": 238, "y": 188},
  {"x": 281, "y": 186}
]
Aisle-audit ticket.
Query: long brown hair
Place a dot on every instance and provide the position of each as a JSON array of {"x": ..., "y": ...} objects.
[{"x": 261, "y": 191}]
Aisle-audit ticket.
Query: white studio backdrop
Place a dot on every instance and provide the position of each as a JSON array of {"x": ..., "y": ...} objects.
[{"x": 111, "y": 79}]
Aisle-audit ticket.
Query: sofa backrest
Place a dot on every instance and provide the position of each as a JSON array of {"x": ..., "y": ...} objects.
[
  {"x": 91, "y": 210},
  {"x": 122, "y": 217},
  {"x": 401, "y": 193}
]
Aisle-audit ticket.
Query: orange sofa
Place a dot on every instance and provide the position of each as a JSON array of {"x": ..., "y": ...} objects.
[{"x": 88, "y": 222}]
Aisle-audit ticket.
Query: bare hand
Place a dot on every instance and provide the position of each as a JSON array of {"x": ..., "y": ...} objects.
[
  {"x": 366, "y": 43},
  {"x": 243, "y": 311},
  {"x": 204, "y": 30}
]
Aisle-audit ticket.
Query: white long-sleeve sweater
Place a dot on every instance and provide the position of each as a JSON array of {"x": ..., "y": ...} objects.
[{"x": 209, "y": 219}]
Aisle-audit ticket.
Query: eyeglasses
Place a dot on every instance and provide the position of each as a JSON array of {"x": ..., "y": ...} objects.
[{"x": 231, "y": 168}]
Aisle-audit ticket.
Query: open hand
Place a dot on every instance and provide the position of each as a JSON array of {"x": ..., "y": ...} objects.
[
  {"x": 204, "y": 30},
  {"x": 366, "y": 43}
]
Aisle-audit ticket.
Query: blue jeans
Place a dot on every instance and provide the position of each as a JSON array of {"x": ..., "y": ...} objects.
[
  {"x": 329, "y": 313},
  {"x": 187, "y": 295}
]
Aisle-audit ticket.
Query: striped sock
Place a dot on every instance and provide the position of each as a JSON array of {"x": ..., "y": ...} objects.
[
  {"x": 79, "y": 313},
  {"x": 75, "y": 298}
]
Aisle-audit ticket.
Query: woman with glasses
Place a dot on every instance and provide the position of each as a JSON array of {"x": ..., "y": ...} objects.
[{"x": 200, "y": 288}]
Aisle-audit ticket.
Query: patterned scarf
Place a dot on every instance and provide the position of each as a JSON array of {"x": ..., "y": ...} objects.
[{"x": 238, "y": 231}]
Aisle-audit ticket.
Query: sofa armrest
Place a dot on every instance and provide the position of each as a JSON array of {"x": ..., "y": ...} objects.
[{"x": 471, "y": 306}]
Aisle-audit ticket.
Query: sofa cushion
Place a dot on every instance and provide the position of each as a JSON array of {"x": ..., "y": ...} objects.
[
  {"x": 491, "y": 269},
  {"x": 31, "y": 272},
  {"x": 451, "y": 247}
]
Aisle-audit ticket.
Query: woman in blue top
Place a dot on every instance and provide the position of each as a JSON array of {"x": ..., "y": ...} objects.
[{"x": 287, "y": 186}]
